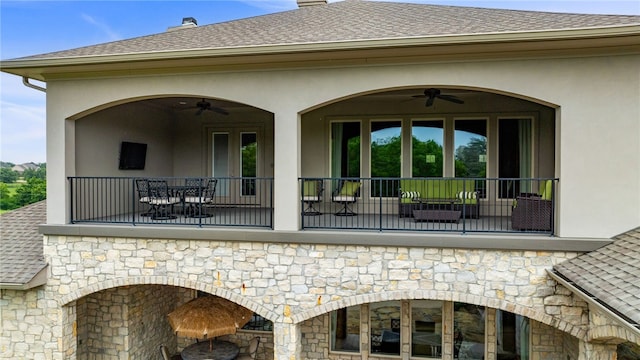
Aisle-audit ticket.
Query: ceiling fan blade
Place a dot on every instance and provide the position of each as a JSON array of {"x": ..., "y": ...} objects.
[
  {"x": 451, "y": 98},
  {"x": 219, "y": 110},
  {"x": 429, "y": 101}
]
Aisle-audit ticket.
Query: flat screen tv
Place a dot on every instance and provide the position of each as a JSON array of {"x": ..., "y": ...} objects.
[{"x": 132, "y": 156}]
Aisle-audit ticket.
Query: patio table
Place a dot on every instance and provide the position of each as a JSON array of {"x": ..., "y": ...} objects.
[{"x": 222, "y": 350}]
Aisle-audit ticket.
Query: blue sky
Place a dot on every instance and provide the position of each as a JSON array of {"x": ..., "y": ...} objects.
[{"x": 36, "y": 27}]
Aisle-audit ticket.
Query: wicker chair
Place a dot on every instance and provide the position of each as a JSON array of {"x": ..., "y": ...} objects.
[{"x": 532, "y": 213}]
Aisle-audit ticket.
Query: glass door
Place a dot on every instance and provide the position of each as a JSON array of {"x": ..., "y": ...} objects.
[{"x": 220, "y": 161}]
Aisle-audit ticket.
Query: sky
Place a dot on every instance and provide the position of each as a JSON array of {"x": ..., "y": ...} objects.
[{"x": 36, "y": 27}]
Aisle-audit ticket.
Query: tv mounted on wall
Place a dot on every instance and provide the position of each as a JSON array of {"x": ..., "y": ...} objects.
[{"x": 132, "y": 156}]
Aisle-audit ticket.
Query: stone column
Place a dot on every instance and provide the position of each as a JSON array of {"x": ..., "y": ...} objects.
[
  {"x": 287, "y": 341},
  {"x": 591, "y": 351}
]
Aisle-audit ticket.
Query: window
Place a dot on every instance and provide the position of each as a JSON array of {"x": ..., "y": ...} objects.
[
  {"x": 345, "y": 329},
  {"x": 220, "y": 161},
  {"x": 426, "y": 148},
  {"x": 249, "y": 152},
  {"x": 426, "y": 328},
  {"x": 468, "y": 331},
  {"x": 471, "y": 152},
  {"x": 514, "y": 156},
  {"x": 512, "y": 332},
  {"x": 471, "y": 148},
  {"x": 258, "y": 323},
  {"x": 386, "y": 157},
  {"x": 345, "y": 149},
  {"x": 384, "y": 319}
]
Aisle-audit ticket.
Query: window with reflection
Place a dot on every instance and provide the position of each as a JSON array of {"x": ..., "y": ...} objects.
[
  {"x": 345, "y": 329},
  {"x": 345, "y": 149},
  {"x": 249, "y": 153},
  {"x": 468, "y": 331},
  {"x": 384, "y": 320},
  {"x": 512, "y": 332},
  {"x": 426, "y": 328},
  {"x": 386, "y": 157},
  {"x": 471, "y": 151},
  {"x": 426, "y": 148}
]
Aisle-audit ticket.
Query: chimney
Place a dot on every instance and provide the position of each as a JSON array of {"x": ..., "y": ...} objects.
[
  {"x": 304, "y": 3},
  {"x": 187, "y": 22}
]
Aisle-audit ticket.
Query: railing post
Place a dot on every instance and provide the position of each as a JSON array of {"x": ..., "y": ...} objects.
[
  {"x": 380, "y": 207},
  {"x": 70, "y": 179}
]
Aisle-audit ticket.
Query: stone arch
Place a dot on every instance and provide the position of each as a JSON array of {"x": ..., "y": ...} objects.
[
  {"x": 169, "y": 281},
  {"x": 536, "y": 314}
]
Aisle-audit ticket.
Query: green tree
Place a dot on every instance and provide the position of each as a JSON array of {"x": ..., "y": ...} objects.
[
  {"x": 8, "y": 176},
  {"x": 39, "y": 173},
  {"x": 33, "y": 191},
  {"x": 7, "y": 201},
  {"x": 421, "y": 150},
  {"x": 468, "y": 162}
]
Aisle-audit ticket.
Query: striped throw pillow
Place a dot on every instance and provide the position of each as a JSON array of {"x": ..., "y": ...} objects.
[
  {"x": 468, "y": 195},
  {"x": 410, "y": 194}
]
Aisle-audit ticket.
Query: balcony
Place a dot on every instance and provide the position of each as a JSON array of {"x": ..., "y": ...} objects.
[{"x": 451, "y": 205}]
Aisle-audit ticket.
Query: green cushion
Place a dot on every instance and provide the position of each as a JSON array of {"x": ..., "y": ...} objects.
[
  {"x": 310, "y": 188},
  {"x": 349, "y": 188},
  {"x": 546, "y": 190}
]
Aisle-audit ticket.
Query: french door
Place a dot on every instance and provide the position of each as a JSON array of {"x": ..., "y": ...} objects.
[{"x": 234, "y": 161}]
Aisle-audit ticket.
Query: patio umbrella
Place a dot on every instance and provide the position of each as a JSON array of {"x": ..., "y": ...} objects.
[{"x": 208, "y": 317}]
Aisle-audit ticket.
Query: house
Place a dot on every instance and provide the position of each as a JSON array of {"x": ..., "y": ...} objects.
[
  {"x": 372, "y": 179},
  {"x": 26, "y": 166}
]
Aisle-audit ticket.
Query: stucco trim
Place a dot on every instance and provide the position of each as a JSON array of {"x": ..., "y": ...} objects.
[{"x": 372, "y": 238}]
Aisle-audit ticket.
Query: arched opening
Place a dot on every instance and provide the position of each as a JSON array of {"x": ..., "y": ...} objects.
[
  {"x": 134, "y": 320},
  {"x": 481, "y": 147}
]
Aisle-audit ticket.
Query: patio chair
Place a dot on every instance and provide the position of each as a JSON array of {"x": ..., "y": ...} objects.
[
  {"x": 251, "y": 351},
  {"x": 161, "y": 200},
  {"x": 311, "y": 193},
  {"x": 347, "y": 193},
  {"x": 164, "y": 351},
  {"x": 197, "y": 194},
  {"x": 142, "y": 187},
  {"x": 534, "y": 211}
]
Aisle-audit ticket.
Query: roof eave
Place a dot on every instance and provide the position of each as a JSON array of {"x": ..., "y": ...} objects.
[
  {"x": 597, "y": 303},
  {"x": 39, "y": 279},
  {"x": 21, "y": 67}
]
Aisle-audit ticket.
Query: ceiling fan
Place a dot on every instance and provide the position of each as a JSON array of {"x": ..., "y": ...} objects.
[
  {"x": 205, "y": 105},
  {"x": 431, "y": 94}
]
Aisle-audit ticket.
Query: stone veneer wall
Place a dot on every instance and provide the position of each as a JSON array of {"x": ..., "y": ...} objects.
[
  {"x": 285, "y": 283},
  {"x": 125, "y": 322}
]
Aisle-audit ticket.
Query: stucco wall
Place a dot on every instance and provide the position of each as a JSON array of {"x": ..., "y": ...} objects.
[{"x": 597, "y": 130}]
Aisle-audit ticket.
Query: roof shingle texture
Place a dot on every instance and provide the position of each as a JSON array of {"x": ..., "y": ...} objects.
[
  {"x": 348, "y": 21},
  {"x": 21, "y": 254},
  {"x": 611, "y": 274}
]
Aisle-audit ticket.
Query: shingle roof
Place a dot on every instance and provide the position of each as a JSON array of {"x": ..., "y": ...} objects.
[
  {"x": 21, "y": 247},
  {"x": 611, "y": 274},
  {"x": 349, "y": 21}
]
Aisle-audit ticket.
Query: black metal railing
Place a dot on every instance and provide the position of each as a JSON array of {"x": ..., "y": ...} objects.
[
  {"x": 171, "y": 200},
  {"x": 461, "y": 205}
]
